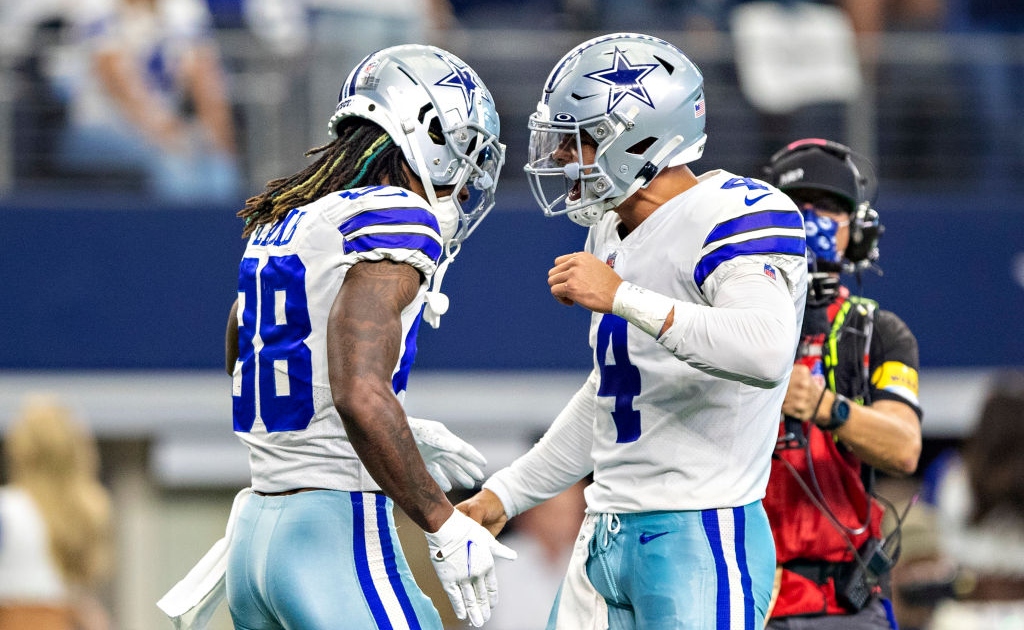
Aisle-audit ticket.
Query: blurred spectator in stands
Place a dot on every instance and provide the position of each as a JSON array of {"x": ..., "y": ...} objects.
[
  {"x": 311, "y": 40},
  {"x": 153, "y": 96},
  {"x": 801, "y": 63},
  {"x": 543, "y": 537},
  {"x": 55, "y": 547},
  {"x": 342, "y": 32},
  {"x": 975, "y": 579},
  {"x": 631, "y": 15},
  {"x": 32, "y": 36},
  {"x": 997, "y": 77}
]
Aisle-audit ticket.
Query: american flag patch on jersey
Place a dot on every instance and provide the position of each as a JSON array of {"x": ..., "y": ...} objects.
[
  {"x": 698, "y": 108},
  {"x": 769, "y": 271}
]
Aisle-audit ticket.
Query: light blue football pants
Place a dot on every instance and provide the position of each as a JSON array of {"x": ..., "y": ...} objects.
[
  {"x": 322, "y": 560},
  {"x": 695, "y": 570}
]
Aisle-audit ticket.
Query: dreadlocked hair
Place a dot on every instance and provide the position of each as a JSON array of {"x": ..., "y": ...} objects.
[{"x": 363, "y": 154}]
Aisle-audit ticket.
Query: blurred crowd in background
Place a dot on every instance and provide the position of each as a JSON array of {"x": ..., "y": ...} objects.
[{"x": 200, "y": 101}]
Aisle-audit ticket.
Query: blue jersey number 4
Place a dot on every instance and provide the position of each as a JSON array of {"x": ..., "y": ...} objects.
[
  {"x": 620, "y": 380},
  {"x": 285, "y": 367}
]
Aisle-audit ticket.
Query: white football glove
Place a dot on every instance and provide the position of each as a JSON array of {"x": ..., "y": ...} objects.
[
  {"x": 463, "y": 554},
  {"x": 449, "y": 458}
]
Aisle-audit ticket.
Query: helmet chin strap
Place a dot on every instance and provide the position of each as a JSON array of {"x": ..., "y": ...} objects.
[{"x": 436, "y": 303}]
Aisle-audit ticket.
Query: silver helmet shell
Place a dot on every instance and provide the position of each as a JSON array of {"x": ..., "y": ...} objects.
[
  {"x": 438, "y": 110},
  {"x": 639, "y": 98}
]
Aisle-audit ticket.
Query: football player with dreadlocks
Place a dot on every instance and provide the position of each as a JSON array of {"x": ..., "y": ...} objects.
[
  {"x": 696, "y": 285},
  {"x": 320, "y": 341},
  {"x": 851, "y": 408}
]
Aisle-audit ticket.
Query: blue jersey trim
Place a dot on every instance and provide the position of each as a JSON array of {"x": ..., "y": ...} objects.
[
  {"x": 755, "y": 221},
  {"x": 390, "y": 216},
  {"x": 400, "y": 381},
  {"x": 369, "y": 242},
  {"x": 788, "y": 245}
]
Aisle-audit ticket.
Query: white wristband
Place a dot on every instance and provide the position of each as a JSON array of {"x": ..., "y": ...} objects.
[{"x": 644, "y": 309}]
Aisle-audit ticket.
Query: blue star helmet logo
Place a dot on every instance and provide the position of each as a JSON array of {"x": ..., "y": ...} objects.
[
  {"x": 625, "y": 79},
  {"x": 462, "y": 79}
]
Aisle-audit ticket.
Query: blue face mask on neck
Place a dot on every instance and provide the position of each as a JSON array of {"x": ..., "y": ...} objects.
[{"x": 821, "y": 238}]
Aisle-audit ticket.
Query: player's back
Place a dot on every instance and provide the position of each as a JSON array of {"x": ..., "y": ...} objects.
[{"x": 289, "y": 278}]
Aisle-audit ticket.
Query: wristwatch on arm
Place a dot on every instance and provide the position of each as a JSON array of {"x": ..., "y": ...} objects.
[{"x": 840, "y": 413}]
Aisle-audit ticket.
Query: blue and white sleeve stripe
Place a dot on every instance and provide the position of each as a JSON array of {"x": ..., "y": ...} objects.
[
  {"x": 393, "y": 228},
  {"x": 765, "y": 232}
]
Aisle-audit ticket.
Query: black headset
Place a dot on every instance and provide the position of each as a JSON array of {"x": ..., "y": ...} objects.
[{"x": 865, "y": 227}]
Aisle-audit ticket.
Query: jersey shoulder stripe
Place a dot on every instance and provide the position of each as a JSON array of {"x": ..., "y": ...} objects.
[
  {"x": 764, "y": 232},
  {"x": 754, "y": 221},
  {"x": 419, "y": 242},
  {"x": 393, "y": 228},
  {"x": 386, "y": 218}
]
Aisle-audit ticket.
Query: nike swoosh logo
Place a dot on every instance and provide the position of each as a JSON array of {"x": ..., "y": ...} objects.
[
  {"x": 750, "y": 202},
  {"x": 646, "y": 538}
]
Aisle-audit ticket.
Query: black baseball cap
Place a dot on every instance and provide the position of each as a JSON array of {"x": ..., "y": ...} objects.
[{"x": 816, "y": 165}]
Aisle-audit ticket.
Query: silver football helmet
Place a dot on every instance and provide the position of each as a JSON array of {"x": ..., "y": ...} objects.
[
  {"x": 637, "y": 98},
  {"x": 436, "y": 108}
]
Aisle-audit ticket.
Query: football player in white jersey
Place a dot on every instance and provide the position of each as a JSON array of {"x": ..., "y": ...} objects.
[
  {"x": 331, "y": 288},
  {"x": 697, "y": 286}
]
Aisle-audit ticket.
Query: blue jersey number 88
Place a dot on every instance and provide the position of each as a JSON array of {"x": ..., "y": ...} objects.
[{"x": 285, "y": 388}]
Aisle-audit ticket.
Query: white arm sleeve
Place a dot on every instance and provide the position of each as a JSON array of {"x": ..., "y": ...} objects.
[
  {"x": 557, "y": 461},
  {"x": 749, "y": 333}
]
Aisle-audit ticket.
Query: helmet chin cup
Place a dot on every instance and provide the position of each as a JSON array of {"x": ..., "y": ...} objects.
[{"x": 590, "y": 215}]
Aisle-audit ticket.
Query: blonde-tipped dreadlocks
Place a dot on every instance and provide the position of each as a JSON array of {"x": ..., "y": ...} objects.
[{"x": 362, "y": 155}]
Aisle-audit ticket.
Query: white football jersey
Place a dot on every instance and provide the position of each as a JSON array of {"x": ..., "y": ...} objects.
[
  {"x": 667, "y": 435},
  {"x": 288, "y": 279}
]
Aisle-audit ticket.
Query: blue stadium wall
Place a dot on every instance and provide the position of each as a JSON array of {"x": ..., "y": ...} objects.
[{"x": 90, "y": 285}]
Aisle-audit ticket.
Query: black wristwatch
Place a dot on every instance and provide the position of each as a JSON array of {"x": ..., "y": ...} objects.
[{"x": 840, "y": 413}]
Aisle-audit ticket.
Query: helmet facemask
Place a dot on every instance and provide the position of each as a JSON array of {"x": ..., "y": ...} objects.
[{"x": 582, "y": 190}]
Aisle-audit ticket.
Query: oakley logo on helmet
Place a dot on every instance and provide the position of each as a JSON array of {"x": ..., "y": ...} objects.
[{"x": 625, "y": 80}]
